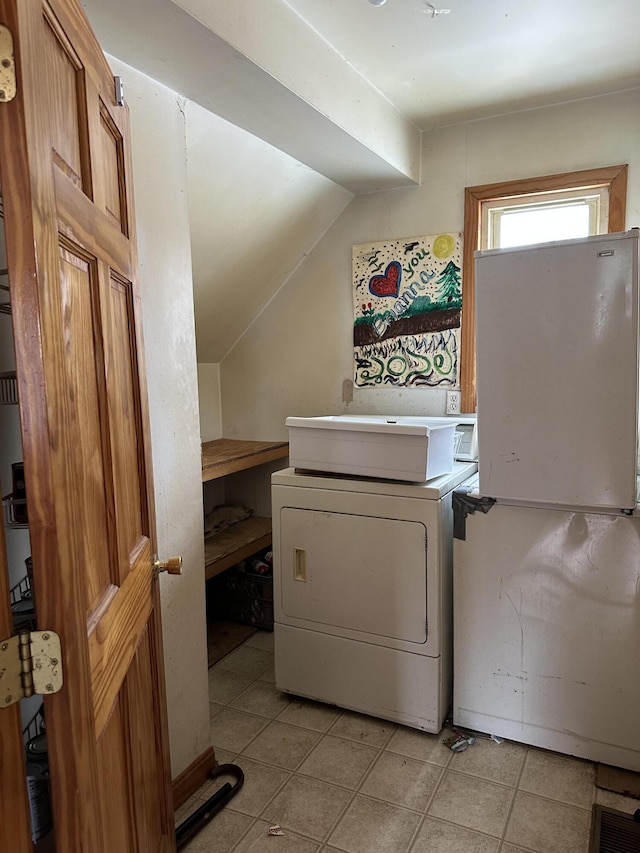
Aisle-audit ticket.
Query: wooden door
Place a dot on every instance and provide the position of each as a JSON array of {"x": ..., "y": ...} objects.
[{"x": 66, "y": 180}]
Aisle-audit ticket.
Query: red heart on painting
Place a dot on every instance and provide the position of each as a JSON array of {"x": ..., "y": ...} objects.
[{"x": 389, "y": 283}]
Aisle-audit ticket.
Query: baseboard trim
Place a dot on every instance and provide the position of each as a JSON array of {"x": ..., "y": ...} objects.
[{"x": 188, "y": 782}]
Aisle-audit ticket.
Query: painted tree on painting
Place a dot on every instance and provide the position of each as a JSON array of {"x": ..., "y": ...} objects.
[{"x": 450, "y": 284}]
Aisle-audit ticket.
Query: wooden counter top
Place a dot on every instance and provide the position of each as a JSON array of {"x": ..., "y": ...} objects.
[{"x": 227, "y": 455}]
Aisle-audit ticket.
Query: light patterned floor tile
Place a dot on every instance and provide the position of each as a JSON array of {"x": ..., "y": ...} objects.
[
  {"x": 262, "y": 699},
  {"x": 339, "y": 761},
  {"x": 370, "y": 826},
  {"x": 435, "y": 836},
  {"x": 367, "y": 730},
  {"x": 261, "y": 640},
  {"x": 334, "y": 751},
  {"x": 225, "y": 685},
  {"x": 258, "y": 840},
  {"x": 309, "y": 714},
  {"x": 472, "y": 802},
  {"x": 548, "y": 826},
  {"x": 307, "y": 806},
  {"x": 282, "y": 745},
  {"x": 558, "y": 777},
  {"x": 490, "y": 760},
  {"x": 261, "y": 783},
  {"x": 233, "y": 730},
  {"x": 246, "y": 661},
  {"x": 402, "y": 781},
  {"x": 421, "y": 745},
  {"x": 268, "y": 675},
  {"x": 223, "y": 756}
]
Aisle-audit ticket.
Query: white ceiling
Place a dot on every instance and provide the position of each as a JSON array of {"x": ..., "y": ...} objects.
[{"x": 484, "y": 58}]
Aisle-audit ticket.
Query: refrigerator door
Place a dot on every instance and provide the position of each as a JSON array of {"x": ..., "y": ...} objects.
[
  {"x": 557, "y": 372},
  {"x": 546, "y": 630}
]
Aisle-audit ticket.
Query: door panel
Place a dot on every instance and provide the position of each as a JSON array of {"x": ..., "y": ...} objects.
[
  {"x": 351, "y": 573},
  {"x": 146, "y": 738},
  {"x": 124, "y": 410},
  {"x": 112, "y": 170},
  {"x": 66, "y": 172},
  {"x": 113, "y": 763},
  {"x": 114, "y": 634},
  {"x": 78, "y": 283},
  {"x": 67, "y": 124}
]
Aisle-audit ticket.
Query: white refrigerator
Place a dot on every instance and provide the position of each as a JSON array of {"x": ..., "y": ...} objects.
[{"x": 547, "y": 547}]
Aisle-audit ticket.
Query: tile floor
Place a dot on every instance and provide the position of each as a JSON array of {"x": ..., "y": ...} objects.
[{"x": 339, "y": 781}]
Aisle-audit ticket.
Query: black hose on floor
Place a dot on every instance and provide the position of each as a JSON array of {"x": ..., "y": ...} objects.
[{"x": 202, "y": 815}]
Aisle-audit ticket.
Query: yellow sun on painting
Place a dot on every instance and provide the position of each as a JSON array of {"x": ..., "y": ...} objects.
[{"x": 443, "y": 246}]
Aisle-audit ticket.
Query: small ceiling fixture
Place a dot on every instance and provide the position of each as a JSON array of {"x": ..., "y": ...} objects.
[{"x": 432, "y": 11}]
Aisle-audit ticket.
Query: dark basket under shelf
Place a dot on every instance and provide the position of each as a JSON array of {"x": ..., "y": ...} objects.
[{"x": 243, "y": 597}]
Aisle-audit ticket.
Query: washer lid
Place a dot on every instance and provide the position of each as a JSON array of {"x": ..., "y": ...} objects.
[{"x": 430, "y": 490}]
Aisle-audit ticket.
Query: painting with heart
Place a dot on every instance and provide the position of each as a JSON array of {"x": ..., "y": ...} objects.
[{"x": 407, "y": 300}]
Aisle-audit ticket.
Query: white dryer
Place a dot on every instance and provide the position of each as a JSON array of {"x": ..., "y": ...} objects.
[{"x": 362, "y": 592}]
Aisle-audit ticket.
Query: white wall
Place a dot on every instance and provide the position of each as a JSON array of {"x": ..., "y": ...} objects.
[
  {"x": 210, "y": 402},
  {"x": 159, "y": 163},
  {"x": 255, "y": 213},
  {"x": 296, "y": 359}
]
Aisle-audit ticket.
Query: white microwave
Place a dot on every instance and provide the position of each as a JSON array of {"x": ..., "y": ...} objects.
[{"x": 466, "y": 448}]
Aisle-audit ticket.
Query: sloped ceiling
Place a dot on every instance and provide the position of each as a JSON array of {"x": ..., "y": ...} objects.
[{"x": 255, "y": 212}]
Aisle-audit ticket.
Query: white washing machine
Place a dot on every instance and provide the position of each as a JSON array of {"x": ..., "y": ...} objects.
[
  {"x": 362, "y": 592},
  {"x": 547, "y": 627}
]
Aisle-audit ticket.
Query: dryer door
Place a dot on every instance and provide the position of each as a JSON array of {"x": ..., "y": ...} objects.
[{"x": 355, "y": 576}]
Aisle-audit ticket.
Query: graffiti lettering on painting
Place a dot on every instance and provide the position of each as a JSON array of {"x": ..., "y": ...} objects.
[{"x": 409, "y": 361}]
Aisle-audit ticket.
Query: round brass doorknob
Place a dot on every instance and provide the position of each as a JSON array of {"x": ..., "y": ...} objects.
[{"x": 172, "y": 566}]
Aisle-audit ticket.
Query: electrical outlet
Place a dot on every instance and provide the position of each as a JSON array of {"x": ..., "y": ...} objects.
[{"x": 453, "y": 402}]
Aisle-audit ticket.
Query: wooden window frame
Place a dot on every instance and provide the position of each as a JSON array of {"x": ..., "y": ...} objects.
[{"x": 613, "y": 177}]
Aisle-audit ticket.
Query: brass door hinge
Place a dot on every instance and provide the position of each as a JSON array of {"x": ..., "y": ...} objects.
[
  {"x": 8, "y": 87},
  {"x": 30, "y": 663},
  {"x": 118, "y": 87}
]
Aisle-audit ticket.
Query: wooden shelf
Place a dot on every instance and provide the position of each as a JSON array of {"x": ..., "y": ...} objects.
[
  {"x": 227, "y": 456},
  {"x": 235, "y": 543}
]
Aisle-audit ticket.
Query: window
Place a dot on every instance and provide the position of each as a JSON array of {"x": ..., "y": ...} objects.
[
  {"x": 534, "y": 210},
  {"x": 544, "y": 217}
]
